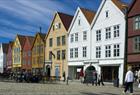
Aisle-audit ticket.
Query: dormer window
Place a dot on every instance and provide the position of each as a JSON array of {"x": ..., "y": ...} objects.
[{"x": 107, "y": 14}]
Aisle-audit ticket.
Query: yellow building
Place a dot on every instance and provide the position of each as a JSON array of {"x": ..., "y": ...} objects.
[
  {"x": 17, "y": 52},
  {"x": 56, "y": 45},
  {"x": 38, "y": 53}
]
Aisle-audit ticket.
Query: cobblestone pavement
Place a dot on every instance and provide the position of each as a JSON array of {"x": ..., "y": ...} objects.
[{"x": 59, "y": 88}]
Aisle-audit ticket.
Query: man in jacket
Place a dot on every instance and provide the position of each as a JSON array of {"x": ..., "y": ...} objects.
[{"x": 129, "y": 78}]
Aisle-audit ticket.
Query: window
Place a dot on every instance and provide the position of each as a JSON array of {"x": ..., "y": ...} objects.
[
  {"x": 28, "y": 61},
  {"x": 41, "y": 48},
  {"x": 137, "y": 23},
  {"x": 79, "y": 22},
  {"x": 76, "y": 37},
  {"x": 29, "y": 53},
  {"x": 63, "y": 54},
  {"x": 116, "y": 31},
  {"x": 106, "y": 14},
  {"x": 53, "y": 27},
  {"x": 76, "y": 52},
  {"x": 71, "y": 39},
  {"x": 50, "y": 42},
  {"x": 116, "y": 50},
  {"x": 85, "y": 35},
  {"x": 58, "y": 41},
  {"x": 84, "y": 51},
  {"x": 50, "y": 55},
  {"x": 98, "y": 35},
  {"x": 108, "y": 33},
  {"x": 63, "y": 40},
  {"x": 108, "y": 51},
  {"x": 59, "y": 25},
  {"x": 71, "y": 53},
  {"x": 98, "y": 52},
  {"x": 137, "y": 44},
  {"x": 58, "y": 55}
]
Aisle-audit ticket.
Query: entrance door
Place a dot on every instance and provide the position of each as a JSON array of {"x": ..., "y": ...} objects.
[
  {"x": 57, "y": 71},
  {"x": 48, "y": 71},
  {"x": 89, "y": 74},
  {"x": 110, "y": 73}
]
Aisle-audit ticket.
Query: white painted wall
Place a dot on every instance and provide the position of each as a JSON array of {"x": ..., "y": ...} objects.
[
  {"x": 101, "y": 23},
  {"x": 1, "y": 59},
  {"x": 85, "y": 26}
]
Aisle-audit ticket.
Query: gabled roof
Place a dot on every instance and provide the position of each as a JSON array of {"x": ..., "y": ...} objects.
[
  {"x": 42, "y": 35},
  {"x": 65, "y": 18},
  {"x": 118, "y": 3},
  {"x": 88, "y": 14},
  {"x": 21, "y": 40},
  {"x": 122, "y": 6},
  {"x": 11, "y": 44},
  {"x": 5, "y": 47},
  {"x": 31, "y": 39}
]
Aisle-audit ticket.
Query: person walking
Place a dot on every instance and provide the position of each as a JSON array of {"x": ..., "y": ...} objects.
[
  {"x": 94, "y": 78},
  {"x": 100, "y": 79},
  {"x": 129, "y": 79},
  {"x": 81, "y": 75},
  {"x": 139, "y": 78}
]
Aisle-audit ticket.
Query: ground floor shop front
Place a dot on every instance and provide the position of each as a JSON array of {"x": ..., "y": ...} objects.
[{"x": 110, "y": 70}]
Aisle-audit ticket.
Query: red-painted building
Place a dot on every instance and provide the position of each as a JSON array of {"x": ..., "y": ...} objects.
[
  {"x": 27, "y": 58},
  {"x": 9, "y": 57},
  {"x": 133, "y": 58}
]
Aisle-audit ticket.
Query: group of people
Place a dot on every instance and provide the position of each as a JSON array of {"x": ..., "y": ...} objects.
[{"x": 91, "y": 77}]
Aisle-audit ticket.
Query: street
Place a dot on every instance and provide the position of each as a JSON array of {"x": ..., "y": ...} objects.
[{"x": 59, "y": 88}]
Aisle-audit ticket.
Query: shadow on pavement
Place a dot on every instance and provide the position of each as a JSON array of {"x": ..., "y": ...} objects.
[{"x": 86, "y": 93}]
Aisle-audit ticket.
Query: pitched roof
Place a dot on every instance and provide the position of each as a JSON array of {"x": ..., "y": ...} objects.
[
  {"x": 31, "y": 39},
  {"x": 21, "y": 40},
  {"x": 66, "y": 19},
  {"x": 121, "y": 5},
  {"x": 88, "y": 14},
  {"x": 42, "y": 35},
  {"x": 5, "y": 47}
]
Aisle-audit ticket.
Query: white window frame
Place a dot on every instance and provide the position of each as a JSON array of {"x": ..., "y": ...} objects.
[
  {"x": 76, "y": 37},
  {"x": 71, "y": 53},
  {"x": 108, "y": 51},
  {"x": 71, "y": 38},
  {"x": 76, "y": 52},
  {"x": 98, "y": 35},
  {"x": 116, "y": 50},
  {"x": 84, "y": 35},
  {"x": 116, "y": 31},
  {"x": 98, "y": 52},
  {"x": 108, "y": 33},
  {"x": 84, "y": 51}
]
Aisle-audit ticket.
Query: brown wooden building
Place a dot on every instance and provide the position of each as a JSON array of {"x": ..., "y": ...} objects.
[
  {"x": 27, "y": 58},
  {"x": 133, "y": 58}
]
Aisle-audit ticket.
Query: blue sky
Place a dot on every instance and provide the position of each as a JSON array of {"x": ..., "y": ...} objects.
[{"x": 26, "y": 16}]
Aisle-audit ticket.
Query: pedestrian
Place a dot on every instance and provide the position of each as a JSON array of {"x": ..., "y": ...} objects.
[
  {"x": 64, "y": 76},
  {"x": 129, "y": 79},
  {"x": 136, "y": 76},
  {"x": 139, "y": 78},
  {"x": 94, "y": 78},
  {"x": 81, "y": 75},
  {"x": 100, "y": 79}
]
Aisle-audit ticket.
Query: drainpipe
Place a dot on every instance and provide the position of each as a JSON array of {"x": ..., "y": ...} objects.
[{"x": 126, "y": 43}]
